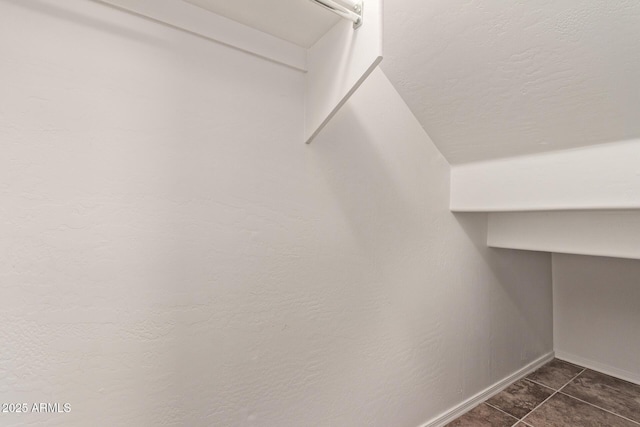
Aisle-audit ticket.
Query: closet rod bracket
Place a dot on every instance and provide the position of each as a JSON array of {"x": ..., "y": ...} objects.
[{"x": 347, "y": 9}]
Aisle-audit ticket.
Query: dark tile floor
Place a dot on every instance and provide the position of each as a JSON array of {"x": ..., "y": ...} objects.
[{"x": 559, "y": 394}]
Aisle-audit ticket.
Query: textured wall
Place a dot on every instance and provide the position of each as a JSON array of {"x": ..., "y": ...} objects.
[
  {"x": 172, "y": 254},
  {"x": 597, "y": 312}
]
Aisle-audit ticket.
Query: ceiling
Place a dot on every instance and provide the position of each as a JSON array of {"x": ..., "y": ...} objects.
[
  {"x": 491, "y": 79},
  {"x": 298, "y": 21}
]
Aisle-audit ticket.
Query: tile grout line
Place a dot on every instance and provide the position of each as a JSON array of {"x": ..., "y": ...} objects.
[
  {"x": 562, "y": 388},
  {"x": 540, "y": 384},
  {"x": 521, "y": 420},
  {"x": 596, "y": 406},
  {"x": 504, "y": 412},
  {"x": 553, "y": 394}
]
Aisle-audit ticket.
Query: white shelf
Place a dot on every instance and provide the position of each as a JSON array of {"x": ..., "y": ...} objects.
[{"x": 336, "y": 64}]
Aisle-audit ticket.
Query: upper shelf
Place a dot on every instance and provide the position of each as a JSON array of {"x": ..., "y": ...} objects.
[
  {"x": 584, "y": 201},
  {"x": 340, "y": 55},
  {"x": 297, "y": 21},
  {"x": 337, "y": 54},
  {"x": 605, "y": 176}
]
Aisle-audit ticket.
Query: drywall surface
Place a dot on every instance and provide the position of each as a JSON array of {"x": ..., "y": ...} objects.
[
  {"x": 597, "y": 313},
  {"x": 173, "y": 254},
  {"x": 600, "y": 233},
  {"x": 605, "y": 176},
  {"x": 491, "y": 79}
]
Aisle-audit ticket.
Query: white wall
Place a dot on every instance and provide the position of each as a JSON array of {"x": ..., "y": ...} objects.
[
  {"x": 597, "y": 313},
  {"x": 600, "y": 233},
  {"x": 173, "y": 254}
]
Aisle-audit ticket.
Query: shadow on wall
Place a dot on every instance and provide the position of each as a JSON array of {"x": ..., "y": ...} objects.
[
  {"x": 392, "y": 186},
  {"x": 390, "y": 180},
  {"x": 370, "y": 197},
  {"x": 67, "y": 14},
  {"x": 511, "y": 268}
]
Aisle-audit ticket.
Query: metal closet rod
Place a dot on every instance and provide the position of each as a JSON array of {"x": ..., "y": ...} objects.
[{"x": 348, "y": 9}]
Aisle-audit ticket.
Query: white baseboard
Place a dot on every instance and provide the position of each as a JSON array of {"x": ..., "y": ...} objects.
[
  {"x": 488, "y": 392},
  {"x": 632, "y": 377}
]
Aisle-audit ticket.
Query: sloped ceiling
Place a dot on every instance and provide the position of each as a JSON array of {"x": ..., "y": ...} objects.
[{"x": 493, "y": 78}]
